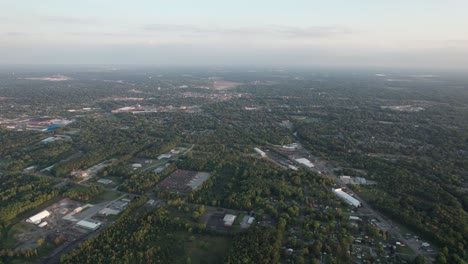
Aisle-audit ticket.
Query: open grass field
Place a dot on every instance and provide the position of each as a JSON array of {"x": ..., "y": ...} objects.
[
  {"x": 205, "y": 249},
  {"x": 105, "y": 196}
]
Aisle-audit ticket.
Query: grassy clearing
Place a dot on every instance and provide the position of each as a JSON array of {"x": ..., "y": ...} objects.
[
  {"x": 205, "y": 249},
  {"x": 105, "y": 196}
]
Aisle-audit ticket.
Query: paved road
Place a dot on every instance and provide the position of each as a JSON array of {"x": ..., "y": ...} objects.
[
  {"x": 393, "y": 229},
  {"x": 54, "y": 258}
]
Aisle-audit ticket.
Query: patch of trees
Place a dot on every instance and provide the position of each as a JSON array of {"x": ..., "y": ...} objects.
[
  {"x": 19, "y": 193},
  {"x": 260, "y": 244},
  {"x": 83, "y": 193},
  {"x": 143, "y": 237}
]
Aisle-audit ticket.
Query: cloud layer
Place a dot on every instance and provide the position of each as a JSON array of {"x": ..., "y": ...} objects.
[{"x": 271, "y": 30}]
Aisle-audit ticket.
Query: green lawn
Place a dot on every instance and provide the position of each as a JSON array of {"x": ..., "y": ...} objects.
[
  {"x": 404, "y": 250},
  {"x": 205, "y": 249},
  {"x": 105, "y": 196}
]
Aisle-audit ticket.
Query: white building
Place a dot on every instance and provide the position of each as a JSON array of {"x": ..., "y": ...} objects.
[
  {"x": 259, "y": 151},
  {"x": 108, "y": 211},
  {"x": 42, "y": 224},
  {"x": 36, "y": 219},
  {"x": 345, "y": 179},
  {"x": 88, "y": 225},
  {"x": 104, "y": 181},
  {"x": 229, "y": 219},
  {"x": 348, "y": 198},
  {"x": 305, "y": 162},
  {"x": 164, "y": 156}
]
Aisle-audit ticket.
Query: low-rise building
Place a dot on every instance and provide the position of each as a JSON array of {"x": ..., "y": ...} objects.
[
  {"x": 37, "y": 218},
  {"x": 260, "y": 152},
  {"x": 88, "y": 225},
  {"x": 305, "y": 162},
  {"x": 346, "y": 197},
  {"x": 229, "y": 219}
]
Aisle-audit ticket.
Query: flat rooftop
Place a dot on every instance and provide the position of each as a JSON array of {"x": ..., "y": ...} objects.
[{"x": 184, "y": 181}]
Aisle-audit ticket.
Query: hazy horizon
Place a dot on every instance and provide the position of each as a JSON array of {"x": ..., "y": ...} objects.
[{"x": 418, "y": 34}]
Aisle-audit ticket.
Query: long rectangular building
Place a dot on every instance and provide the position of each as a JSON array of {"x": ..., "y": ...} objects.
[
  {"x": 89, "y": 225},
  {"x": 348, "y": 198},
  {"x": 36, "y": 219}
]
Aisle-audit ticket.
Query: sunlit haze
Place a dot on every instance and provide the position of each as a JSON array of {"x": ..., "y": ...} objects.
[{"x": 399, "y": 33}]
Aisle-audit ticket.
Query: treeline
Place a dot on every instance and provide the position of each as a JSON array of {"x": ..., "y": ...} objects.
[
  {"x": 260, "y": 244},
  {"x": 83, "y": 193},
  {"x": 19, "y": 193},
  {"x": 143, "y": 237}
]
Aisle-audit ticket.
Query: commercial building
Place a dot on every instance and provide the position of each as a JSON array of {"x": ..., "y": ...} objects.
[
  {"x": 36, "y": 219},
  {"x": 352, "y": 180},
  {"x": 88, "y": 225},
  {"x": 259, "y": 151},
  {"x": 164, "y": 156},
  {"x": 229, "y": 219},
  {"x": 104, "y": 181},
  {"x": 305, "y": 162},
  {"x": 47, "y": 140},
  {"x": 348, "y": 198},
  {"x": 108, "y": 211}
]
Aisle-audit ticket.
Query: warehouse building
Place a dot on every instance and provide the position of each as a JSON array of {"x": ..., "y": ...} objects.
[
  {"x": 88, "y": 225},
  {"x": 259, "y": 151},
  {"x": 36, "y": 219},
  {"x": 229, "y": 219},
  {"x": 348, "y": 198},
  {"x": 305, "y": 162}
]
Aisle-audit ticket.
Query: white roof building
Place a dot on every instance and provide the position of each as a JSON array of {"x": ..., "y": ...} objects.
[
  {"x": 36, "y": 219},
  {"x": 348, "y": 198},
  {"x": 104, "y": 181},
  {"x": 164, "y": 156},
  {"x": 259, "y": 151},
  {"x": 229, "y": 219},
  {"x": 89, "y": 225},
  {"x": 42, "y": 224},
  {"x": 108, "y": 211},
  {"x": 305, "y": 162}
]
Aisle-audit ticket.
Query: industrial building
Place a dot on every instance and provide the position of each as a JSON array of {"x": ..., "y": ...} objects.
[
  {"x": 348, "y": 198},
  {"x": 108, "y": 211},
  {"x": 229, "y": 219},
  {"x": 36, "y": 219},
  {"x": 260, "y": 152},
  {"x": 164, "y": 156},
  {"x": 305, "y": 162},
  {"x": 104, "y": 181},
  {"x": 47, "y": 140},
  {"x": 183, "y": 181},
  {"x": 88, "y": 225},
  {"x": 352, "y": 180}
]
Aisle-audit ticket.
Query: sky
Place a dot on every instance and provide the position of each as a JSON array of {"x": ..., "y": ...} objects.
[{"x": 396, "y": 33}]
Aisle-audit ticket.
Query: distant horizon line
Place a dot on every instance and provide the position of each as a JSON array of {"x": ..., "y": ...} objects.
[{"x": 255, "y": 66}]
